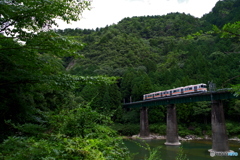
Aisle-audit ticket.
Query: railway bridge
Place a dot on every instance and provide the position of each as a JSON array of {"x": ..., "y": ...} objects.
[{"x": 219, "y": 134}]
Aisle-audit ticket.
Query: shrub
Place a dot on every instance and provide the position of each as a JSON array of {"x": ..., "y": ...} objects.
[
  {"x": 61, "y": 147},
  {"x": 232, "y": 128},
  {"x": 158, "y": 128},
  {"x": 183, "y": 131},
  {"x": 28, "y": 129},
  {"x": 126, "y": 129},
  {"x": 79, "y": 133}
]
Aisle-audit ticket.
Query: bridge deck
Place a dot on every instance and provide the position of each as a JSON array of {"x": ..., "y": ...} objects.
[{"x": 186, "y": 98}]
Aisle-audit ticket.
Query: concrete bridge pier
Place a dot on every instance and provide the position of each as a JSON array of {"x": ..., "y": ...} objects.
[
  {"x": 144, "y": 126},
  {"x": 219, "y": 134},
  {"x": 172, "y": 129}
]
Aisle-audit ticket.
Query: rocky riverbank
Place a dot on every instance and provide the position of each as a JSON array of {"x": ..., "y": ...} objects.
[{"x": 186, "y": 138}]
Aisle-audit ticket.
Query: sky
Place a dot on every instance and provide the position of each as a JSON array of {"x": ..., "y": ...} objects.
[{"x": 108, "y": 12}]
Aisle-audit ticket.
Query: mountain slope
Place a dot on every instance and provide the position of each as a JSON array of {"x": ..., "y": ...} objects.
[
  {"x": 226, "y": 11},
  {"x": 156, "y": 45}
]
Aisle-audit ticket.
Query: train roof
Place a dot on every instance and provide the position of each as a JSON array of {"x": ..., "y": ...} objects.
[
  {"x": 196, "y": 84},
  {"x": 176, "y": 88}
]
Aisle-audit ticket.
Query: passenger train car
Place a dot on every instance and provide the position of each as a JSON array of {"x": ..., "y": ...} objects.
[{"x": 177, "y": 91}]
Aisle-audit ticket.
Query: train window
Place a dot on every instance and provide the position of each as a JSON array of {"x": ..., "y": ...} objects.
[
  {"x": 190, "y": 88},
  {"x": 203, "y": 86}
]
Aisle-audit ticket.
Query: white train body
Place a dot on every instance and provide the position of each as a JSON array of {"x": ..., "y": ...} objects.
[{"x": 177, "y": 91}]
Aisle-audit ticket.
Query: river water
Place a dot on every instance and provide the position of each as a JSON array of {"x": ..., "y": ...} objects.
[{"x": 194, "y": 149}]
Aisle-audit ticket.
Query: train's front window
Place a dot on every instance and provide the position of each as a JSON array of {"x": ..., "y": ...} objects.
[{"x": 203, "y": 86}]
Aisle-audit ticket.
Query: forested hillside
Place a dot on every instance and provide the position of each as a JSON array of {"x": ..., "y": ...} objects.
[
  {"x": 158, "y": 47},
  {"x": 226, "y": 11},
  {"x": 154, "y": 53}
]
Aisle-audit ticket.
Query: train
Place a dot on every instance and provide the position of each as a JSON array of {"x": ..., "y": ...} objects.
[{"x": 177, "y": 91}]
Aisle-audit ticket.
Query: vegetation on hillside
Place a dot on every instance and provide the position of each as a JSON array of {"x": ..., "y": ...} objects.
[{"x": 60, "y": 101}]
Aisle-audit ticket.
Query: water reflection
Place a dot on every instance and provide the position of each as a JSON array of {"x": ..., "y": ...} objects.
[{"x": 195, "y": 149}]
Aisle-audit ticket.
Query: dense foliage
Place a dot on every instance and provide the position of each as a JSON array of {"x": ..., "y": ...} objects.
[
  {"x": 55, "y": 104},
  {"x": 41, "y": 117}
]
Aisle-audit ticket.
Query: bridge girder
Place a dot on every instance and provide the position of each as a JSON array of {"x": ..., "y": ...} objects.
[{"x": 186, "y": 98}]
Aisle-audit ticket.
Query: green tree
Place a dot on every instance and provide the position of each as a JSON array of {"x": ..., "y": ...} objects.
[
  {"x": 141, "y": 85},
  {"x": 103, "y": 98},
  {"x": 230, "y": 30},
  {"x": 202, "y": 109},
  {"x": 20, "y": 17},
  {"x": 38, "y": 99},
  {"x": 184, "y": 112},
  {"x": 31, "y": 65},
  {"x": 126, "y": 84}
]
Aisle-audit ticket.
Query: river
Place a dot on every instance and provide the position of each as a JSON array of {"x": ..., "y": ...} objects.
[{"x": 194, "y": 149}]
